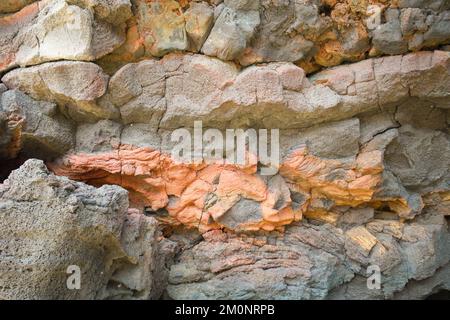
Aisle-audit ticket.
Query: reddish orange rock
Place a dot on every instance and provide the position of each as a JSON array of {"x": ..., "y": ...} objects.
[{"x": 211, "y": 196}]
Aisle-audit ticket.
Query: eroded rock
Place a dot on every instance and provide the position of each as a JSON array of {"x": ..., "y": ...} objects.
[
  {"x": 315, "y": 262},
  {"x": 74, "y": 86},
  {"x": 50, "y": 223},
  {"x": 34, "y": 128}
]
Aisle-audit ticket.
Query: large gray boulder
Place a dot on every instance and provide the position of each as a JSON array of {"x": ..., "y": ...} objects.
[
  {"x": 34, "y": 128},
  {"x": 50, "y": 224},
  {"x": 310, "y": 261}
]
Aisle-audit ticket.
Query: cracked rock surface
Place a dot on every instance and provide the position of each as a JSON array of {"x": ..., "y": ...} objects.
[{"x": 92, "y": 90}]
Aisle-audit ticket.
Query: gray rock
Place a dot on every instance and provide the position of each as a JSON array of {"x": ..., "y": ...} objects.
[
  {"x": 357, "y": 216},
  {"x": 439, "y": 30},
  {"x": 56, "y": 30},
  {"x": 244, "y": 211},
  {"x": 35, "y": 128},
  {"x": 139, "y": 90},
  {"x": 142, "y": 135},
  {"x": 3, "y": 88},
  {"x": 315, "y": 262},
  {"x": 178, "y": 89},
  {"x": 388, "y": 38},
  {"x": 283, "y": 31},
  {"x": 344, "y": 134},
  {"x": 424, "y": 4},
  {"x": 77, "y": 225},
  {"x": 111, "y": 11},
  {"x": 145, "y": 274},
  {"x": 420, "y": 158},
  {"x": 50, "y": 223},
  {"x": 74, "y": 86},
  {"x": 199, "y": 21},
  {"x": 231, "y": 33},
  {"x": 412, "y": 20}
]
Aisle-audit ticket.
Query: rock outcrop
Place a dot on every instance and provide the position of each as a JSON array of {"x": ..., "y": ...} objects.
[
  {"x": 311, "y": 33},
  {"x": 341, "y": 110},
  {"x": 318, "y": 262},
  {"x": 34, "y": 127},
  {"x": 57, "y": 30},
  {"x": 50, "y": 223}
]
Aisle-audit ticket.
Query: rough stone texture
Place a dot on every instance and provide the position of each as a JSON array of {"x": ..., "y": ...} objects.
[
  {"x": 111, "y": 11},
  {"x": 361, "y": 98},
  {"x": 55, "y": 30},
  {"x": 74, "y": 86},
  {"x": 49, "y": 223},
  {"x": 8, "y": 6},
  {"x": 313, "y": 34},
  {"x": 317, "y": 262},
  {"x": 232, "y": 31},
  {"x": 175, "y": 91},
  {"x": 33, "y": 127}
]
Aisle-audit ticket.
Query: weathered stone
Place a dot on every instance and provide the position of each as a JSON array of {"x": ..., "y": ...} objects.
[
  {"x": 357, "y": 216},
  {"x": 162, "y": 26},
  {"x": 145, "y": 273},
  {"x": 112, "y": 11},
  {"x": 44, "y": 215},
  {"x": 139, "y": 90},
  {"x": 3, "y": 88},
  {"x": 231, "y": 32},
  {"x": 420, "y": 158},
  {"x": 199, "y": 21},
  {"x": 277, "y": 38},
  {"x": 298, "y": 264},
  {"x": 439, "y": 30},
  {"x": 359, "y": 243},
  {"x": 246, "y": 98},
  {"x": 388, "y": 39},
  {"x": 33, "y": 128},
  {"x": 74, "y": 86},
  {"x": 362, "y": 179},
  {"x": 55, "y": 30},
  {"x": 102, "y": 136},
  {"x": 345, "y": 135}
]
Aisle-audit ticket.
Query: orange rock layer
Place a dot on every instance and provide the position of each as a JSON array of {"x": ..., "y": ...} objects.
[{"x": 201, "y": 195}]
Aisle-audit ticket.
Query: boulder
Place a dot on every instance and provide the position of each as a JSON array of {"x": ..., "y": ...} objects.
[
  {"x": 55, "y": 229},
  {"x": 232, "y": 31},
  {"x": 55, "y": 30}
]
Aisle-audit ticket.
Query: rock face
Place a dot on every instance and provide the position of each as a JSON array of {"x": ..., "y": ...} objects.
[
  {"x": 341, "y": 109},
  {"x": 55, "y": 30},
  {"x": 316, "y": 262},
  {"x": 50, "y": 223},
  {"x": 74, "y": 86},
  {"x": 312, "y": 34},
  {"x": 34, "y": 127},
  {"x": 9, "y": 6}
]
